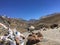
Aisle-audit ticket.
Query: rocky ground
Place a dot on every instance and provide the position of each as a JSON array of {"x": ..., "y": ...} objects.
[{"x": 51, "y": 36}]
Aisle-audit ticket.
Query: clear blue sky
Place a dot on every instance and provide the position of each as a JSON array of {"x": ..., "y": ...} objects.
[{"x": 29, "y": 9}]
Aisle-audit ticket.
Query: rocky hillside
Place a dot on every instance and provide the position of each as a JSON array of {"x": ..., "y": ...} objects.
[
  {"x": 48, "y": 20},
  {"x": 53, "y": 18},
  {"x": 22, "y": 24}
]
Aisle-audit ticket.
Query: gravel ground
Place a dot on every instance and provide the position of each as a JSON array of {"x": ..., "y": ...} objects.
[{"x": 51, "y": 37}]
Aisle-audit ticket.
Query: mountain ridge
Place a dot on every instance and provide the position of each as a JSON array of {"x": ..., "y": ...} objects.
[{"x": 22, "y": 24}]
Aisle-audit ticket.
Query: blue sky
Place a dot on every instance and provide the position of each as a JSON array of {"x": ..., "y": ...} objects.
[{"x": 29, "y": 9}]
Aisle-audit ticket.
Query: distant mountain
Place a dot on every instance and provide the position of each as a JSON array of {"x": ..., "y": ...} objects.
[{"x": 32, "y": 21}]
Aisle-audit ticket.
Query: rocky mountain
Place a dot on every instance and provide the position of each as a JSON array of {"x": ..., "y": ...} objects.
[
  {"x": 22, "y": 24},
  {"x": 48, "y": 20},
  {"x": 19, "y": 24}
]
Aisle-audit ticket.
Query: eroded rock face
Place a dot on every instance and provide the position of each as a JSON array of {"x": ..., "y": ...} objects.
[{"x": 34, "y": 38}]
